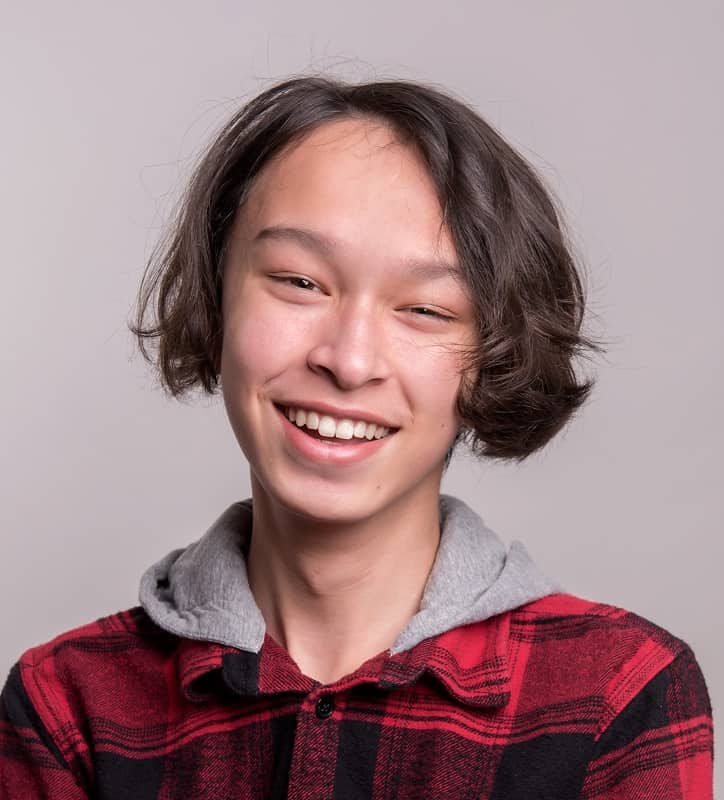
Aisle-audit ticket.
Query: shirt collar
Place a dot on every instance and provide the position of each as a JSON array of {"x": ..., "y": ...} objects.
[{"x": 470, "y": 663}]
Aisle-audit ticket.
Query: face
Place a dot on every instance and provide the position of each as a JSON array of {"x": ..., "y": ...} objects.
[{"x": 343, "y": 307}]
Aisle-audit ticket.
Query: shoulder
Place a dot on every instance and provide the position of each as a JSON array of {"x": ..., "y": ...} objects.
[
  {"x": 565, "y": 616},
  {"x": 127, "y": 635},
  {"x": 124, "y": 632},
  {"x": 636, "y": 688},
  {"x": 609, "y": 653},
  {"x": 560, "y": 611},
  {"x": 122, "y": 651}
]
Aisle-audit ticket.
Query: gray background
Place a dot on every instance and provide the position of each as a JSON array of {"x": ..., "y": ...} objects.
[{"x": 618, "y": 104}]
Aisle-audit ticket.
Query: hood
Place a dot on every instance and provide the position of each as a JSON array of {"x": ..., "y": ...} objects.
[{"x": 202, "y": 592}]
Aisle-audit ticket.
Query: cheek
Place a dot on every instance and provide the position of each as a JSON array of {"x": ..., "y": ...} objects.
[
  {"x": 432, "y": 377},
  {"x": 256, "y": 346}
]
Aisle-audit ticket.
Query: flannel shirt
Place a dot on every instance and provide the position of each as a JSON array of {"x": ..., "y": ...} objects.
[{"x": 559, "y": 698}]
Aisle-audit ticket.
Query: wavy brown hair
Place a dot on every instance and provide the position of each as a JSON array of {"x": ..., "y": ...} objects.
[{"x": 520, "y": 386}]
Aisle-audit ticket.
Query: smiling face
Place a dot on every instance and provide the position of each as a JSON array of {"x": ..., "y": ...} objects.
[{"x": 339, "y": 299}]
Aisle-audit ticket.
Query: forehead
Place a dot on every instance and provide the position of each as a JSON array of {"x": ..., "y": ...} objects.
[{"x": 356, "y": 183}]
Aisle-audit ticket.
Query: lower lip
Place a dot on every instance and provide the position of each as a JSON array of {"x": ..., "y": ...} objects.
[{"x": 343, "y": 451}]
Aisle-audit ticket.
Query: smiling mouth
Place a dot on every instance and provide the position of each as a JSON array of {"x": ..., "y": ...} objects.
[{"x": 333, "y": 431}]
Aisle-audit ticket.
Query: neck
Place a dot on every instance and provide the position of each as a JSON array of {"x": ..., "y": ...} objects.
[{"x": 336, "y": 594}]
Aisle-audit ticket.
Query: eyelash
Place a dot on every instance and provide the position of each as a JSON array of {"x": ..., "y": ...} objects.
[
  {"x": 431, "y": 313},
  {"x": 290, "y": 279}
]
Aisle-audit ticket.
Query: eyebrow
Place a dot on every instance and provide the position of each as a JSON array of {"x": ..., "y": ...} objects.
[{"x": 326, "y": 247}]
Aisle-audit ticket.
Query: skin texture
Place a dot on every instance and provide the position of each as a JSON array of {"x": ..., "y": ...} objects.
[{"x": 340, "y": 554}]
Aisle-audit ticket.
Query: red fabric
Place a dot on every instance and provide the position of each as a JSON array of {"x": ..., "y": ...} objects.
[{"x": 562, "y": 698}]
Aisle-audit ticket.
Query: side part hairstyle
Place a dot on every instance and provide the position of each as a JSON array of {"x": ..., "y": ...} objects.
[{"x": 519, "y": 386}]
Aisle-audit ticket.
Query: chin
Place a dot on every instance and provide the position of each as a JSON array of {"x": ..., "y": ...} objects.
[
  {"x": 345, "y": 503},
  {"x": 342, "y": 507}
]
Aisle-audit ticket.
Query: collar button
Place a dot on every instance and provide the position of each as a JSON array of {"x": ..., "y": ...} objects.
[{"x": 324, "y": 706}]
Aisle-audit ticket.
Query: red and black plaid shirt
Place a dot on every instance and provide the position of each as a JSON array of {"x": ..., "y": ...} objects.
[{"x": 561, "y": 698}]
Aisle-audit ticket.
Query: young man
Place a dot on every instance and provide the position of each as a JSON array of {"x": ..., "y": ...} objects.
[{"x": 372, "y": 275}]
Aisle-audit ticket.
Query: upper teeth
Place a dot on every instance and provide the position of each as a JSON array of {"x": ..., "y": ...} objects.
[{"x": 333, "y": 428}]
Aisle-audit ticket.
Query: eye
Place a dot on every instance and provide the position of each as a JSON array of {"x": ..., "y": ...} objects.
[
  {"x": 298, "y": 281},
  {"x": 425, "y": 311}
]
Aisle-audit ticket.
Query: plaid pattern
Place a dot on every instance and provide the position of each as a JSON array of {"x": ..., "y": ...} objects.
[{"x": 561, "y": 698}]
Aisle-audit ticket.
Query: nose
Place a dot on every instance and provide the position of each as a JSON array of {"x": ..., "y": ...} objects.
[{"x": 348, "y": 346}]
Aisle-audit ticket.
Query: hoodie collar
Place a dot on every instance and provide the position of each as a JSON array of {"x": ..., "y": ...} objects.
[{"x": 459, "y": 634}]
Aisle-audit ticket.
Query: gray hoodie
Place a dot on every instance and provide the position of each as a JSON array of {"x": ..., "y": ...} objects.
[{"x": 202, "y": 591}]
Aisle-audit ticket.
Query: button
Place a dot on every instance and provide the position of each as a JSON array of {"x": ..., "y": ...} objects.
[{"x": 324, "y": 706}]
